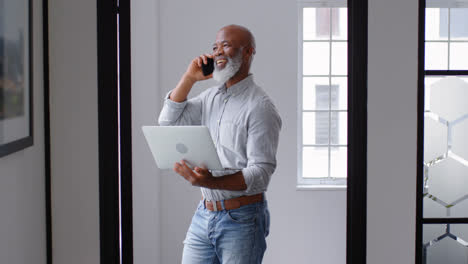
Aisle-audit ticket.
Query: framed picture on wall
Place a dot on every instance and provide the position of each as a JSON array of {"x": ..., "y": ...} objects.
[{"x": 16, "y": 115}]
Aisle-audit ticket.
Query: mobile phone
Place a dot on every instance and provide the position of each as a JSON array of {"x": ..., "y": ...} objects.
[{"x": 208, "y": 68}]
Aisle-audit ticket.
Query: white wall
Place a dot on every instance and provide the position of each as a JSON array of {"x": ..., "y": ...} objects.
[
  {"x": 392, "y": 123},
  {"x": 306, "y": 226},
  {"x": 22, "y": 189},
  {"x": 145, "y": 106},
  {"x": 74, "y": 131}
]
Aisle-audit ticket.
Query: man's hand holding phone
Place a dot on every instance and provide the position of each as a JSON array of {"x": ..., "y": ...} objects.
[{"x": 199, "y": 69}]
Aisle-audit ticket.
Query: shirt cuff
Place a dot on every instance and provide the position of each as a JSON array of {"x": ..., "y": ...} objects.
[
  {"x": 174, "y": 104},
  {"x": 170, "y": 111},
  {"x": 248, "y": 178}
]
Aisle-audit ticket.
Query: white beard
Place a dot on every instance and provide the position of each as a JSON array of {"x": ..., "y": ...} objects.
[{"x": 232, "y": 67}]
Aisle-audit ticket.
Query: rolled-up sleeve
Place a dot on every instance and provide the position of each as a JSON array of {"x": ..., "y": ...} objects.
[
  {"x": 264, "y": 125},
  {"x": 188, "y": 112}
]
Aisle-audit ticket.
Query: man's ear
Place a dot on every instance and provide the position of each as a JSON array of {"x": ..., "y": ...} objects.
[
  {"x": 247, "y": 52},
  {"x": 251, "y": 51}
]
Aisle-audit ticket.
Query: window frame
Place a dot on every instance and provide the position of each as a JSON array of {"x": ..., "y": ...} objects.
[
  {"x": 314, "y": 183},
  {"x": 420, "y": 254}
]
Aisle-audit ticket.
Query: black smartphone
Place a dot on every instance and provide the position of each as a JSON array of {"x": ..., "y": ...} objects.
[{"x": 209, "y": 67}]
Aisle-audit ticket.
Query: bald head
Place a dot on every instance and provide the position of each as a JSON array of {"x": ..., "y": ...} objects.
[{"x": 240, "y": 34}]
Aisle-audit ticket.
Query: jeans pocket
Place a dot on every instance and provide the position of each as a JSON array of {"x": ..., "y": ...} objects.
[
  {"x": 244, "y": 214},
  {"x": 200, "y": 205}
]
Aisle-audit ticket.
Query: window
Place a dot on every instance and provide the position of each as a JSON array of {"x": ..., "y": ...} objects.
[
  {"x": 323, "y": 94},
  {"x": 446, "y": 41},
  {"x": 443, "y": 175}
]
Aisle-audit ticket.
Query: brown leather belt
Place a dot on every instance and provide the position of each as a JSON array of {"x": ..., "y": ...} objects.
[{"x": 234, "y": 203}]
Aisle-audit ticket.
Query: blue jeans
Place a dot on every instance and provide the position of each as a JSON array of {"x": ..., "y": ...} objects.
[{"x": 236, "y": 236}]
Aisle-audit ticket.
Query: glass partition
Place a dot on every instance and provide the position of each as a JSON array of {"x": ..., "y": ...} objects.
[{"x": 443, "y": 175}]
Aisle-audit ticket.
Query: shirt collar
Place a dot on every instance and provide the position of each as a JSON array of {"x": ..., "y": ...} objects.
[{"x": 238, "y": 87}]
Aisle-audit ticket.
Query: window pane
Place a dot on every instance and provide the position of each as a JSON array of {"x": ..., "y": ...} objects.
[
  {"x": 449, "y": 249},
  {"x": 316, "y": 58},
  {"x": 445, "y": 148},
  {"x": 432, "y": 231},
  {"x": 315, "y": 162},
  {"x": 460, "y": 209},
  {"x": 436, "y": 56},
  {"x": 459, "y": 55},
  {"x": 338, "y": 162},
  {"x": 449, "y": 98},
  {"x": 315, "y": 95},
  {"x": 340, "y": 23},
  {"x": 339, "y": 58},
  {"x": 459, "y": 138},
  {"x": 341, "y": 101},
  {"x": 322, "y": 22},
  {"x": 316, "y": 23},
  {"x": 339, "y": 128},
  {"x": 435, "y": 139},
  {"x": 432, "y": 208},
  {"x": 459, "y": 23},
  {"x": 447, "y": 185},
  {"x": 315, "y": 128},
  {"x": 436, "y": 23},
  {"x": 428, "y": 81}
]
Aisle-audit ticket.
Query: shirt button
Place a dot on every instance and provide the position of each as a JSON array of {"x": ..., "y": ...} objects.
[{"x": 225, "y": 100}]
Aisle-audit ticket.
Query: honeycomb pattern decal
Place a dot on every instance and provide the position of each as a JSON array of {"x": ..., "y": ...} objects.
[
  {"x": 449, "y": 243},
  {"x": 445, "y": 189}
]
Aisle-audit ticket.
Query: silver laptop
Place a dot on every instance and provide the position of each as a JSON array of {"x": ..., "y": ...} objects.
[{"x": 171, "y": 144}]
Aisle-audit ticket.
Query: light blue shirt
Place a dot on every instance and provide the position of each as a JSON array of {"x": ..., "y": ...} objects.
[{"x": 244, "y": 125}]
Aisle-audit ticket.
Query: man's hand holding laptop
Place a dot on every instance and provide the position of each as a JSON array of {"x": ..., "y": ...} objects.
[{"x": 197, "y": 177}]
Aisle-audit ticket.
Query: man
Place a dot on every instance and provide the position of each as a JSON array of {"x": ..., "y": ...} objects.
[{"x": 232, "y": 220}]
